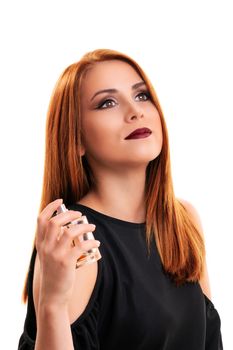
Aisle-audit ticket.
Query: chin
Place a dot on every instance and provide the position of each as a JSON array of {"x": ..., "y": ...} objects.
[{"x": 148, "y": 156}]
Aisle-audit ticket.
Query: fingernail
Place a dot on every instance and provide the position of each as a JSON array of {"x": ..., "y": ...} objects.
[{"x": 98, "y": 243}]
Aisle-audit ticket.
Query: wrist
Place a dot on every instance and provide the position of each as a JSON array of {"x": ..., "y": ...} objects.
[
  {"x": 51, "y": 310},
  {"x": 52, "y": 300},
  {"x": 52, "y": 303}
]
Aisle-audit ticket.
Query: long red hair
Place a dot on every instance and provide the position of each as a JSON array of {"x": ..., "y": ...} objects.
[{"x": 67, "y": 174}]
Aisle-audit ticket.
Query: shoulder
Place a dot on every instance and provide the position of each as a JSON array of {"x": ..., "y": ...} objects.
[{"x": 193, "y": 213}]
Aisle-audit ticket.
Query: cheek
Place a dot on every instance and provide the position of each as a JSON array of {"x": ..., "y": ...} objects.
[
  {"x": 153, "y": 113},
  {"x": 158, "y": 122},
  {"x": 159, "y": 131},
  {"x": 158, "y": 125},
  {"x": 98, "y": 134}
]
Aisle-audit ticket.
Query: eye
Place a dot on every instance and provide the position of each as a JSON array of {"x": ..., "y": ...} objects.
[
  {"x": 144, "y": 96},
  {"x": 109, "y": 103},
  {"x": 106, "y": 104}
]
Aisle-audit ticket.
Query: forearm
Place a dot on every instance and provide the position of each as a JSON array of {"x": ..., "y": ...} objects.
[{"x": 53, "y": 329}]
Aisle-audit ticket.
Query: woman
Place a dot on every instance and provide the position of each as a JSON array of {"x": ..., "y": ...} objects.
[{"x": 107, "y": 157}]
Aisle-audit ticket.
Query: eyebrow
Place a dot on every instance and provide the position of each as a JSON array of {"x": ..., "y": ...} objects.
[{"x": 134, "y": 87}]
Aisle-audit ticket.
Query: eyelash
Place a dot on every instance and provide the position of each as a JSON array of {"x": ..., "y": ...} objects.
[{"x": 146, "y": 93}]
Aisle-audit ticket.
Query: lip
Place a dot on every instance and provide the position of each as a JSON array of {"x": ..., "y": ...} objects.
[{"x": 139, "y": 133}]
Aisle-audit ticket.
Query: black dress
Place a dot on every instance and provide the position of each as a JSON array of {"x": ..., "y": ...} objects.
[{"x": 134, "y": 304}]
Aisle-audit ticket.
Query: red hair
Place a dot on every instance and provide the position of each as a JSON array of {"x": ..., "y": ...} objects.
[{"x": 67, "y": 174}]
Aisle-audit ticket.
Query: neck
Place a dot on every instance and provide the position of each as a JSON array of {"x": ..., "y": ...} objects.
[{"x": 119, "y": 195}]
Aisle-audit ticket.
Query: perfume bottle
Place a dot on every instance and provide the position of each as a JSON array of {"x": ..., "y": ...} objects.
[{"x": 91, "y": 255}]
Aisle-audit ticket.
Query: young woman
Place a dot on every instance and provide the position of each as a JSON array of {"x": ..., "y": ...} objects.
[{"x": 107, "y": 157}]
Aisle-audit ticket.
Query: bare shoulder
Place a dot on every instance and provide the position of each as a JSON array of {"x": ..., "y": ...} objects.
[
  {"x": 193, "y": 213},
  {"x": 204, "y": 280},
  {"x": 85, "y": 280}
]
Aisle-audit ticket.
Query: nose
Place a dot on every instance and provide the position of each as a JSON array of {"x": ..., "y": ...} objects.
[{"x": 133, "y": 113}]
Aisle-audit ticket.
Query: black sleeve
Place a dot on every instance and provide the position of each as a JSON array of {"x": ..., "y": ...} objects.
[
  {"x": 213, "y": 327},
  {"x": 84, "y": 332},
  {"x": 25, "y": 343},
  {"x": 27, "y": 339}
]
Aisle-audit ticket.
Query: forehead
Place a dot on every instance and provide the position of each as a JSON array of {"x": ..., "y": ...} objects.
[{"x": 109, "y": 74}]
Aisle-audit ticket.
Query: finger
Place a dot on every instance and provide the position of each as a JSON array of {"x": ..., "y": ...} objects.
[
  {"x": 43, "y": 218},
  {"x": 74, "y": 233},
  {"x": 87, "y": 245},
  {"x": 84, "y": 248},
  {"x": 56, "y": 226},
  {"x": 68, "y": 217},
  {"x": 48, "y": 211}
]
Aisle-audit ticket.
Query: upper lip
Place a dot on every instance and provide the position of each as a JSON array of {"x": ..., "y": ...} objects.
[{"x": 139, "y": 131}]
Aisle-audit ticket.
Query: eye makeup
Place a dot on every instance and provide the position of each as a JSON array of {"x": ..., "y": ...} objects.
[{"x": 145, "y": 93}]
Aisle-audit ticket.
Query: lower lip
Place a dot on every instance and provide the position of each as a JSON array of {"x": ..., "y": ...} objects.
[{"x": 139, "y": 136}]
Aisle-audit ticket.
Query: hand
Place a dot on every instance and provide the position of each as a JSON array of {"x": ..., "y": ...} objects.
[{"x": 57, "y": 255}]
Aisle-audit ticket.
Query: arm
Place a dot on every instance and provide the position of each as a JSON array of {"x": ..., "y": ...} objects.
[
  {"x": 53, "y": 323},
  {"x": 53, "y": 328},
  {"x": 204, "y": 280},
  {"x": 55, "y": 276}
]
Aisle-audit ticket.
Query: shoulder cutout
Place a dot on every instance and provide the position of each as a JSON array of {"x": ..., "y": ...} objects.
[{"x": 204, "y": 280}]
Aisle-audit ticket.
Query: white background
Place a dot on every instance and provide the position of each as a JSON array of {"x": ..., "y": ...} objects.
[{"x": 185, "y": 47}]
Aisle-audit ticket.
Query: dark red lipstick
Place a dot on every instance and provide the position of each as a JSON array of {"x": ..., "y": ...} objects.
[{"x": 139, "y": 134}]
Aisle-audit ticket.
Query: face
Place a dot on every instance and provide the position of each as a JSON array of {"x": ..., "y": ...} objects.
[{"x": 108, "y": 117}]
